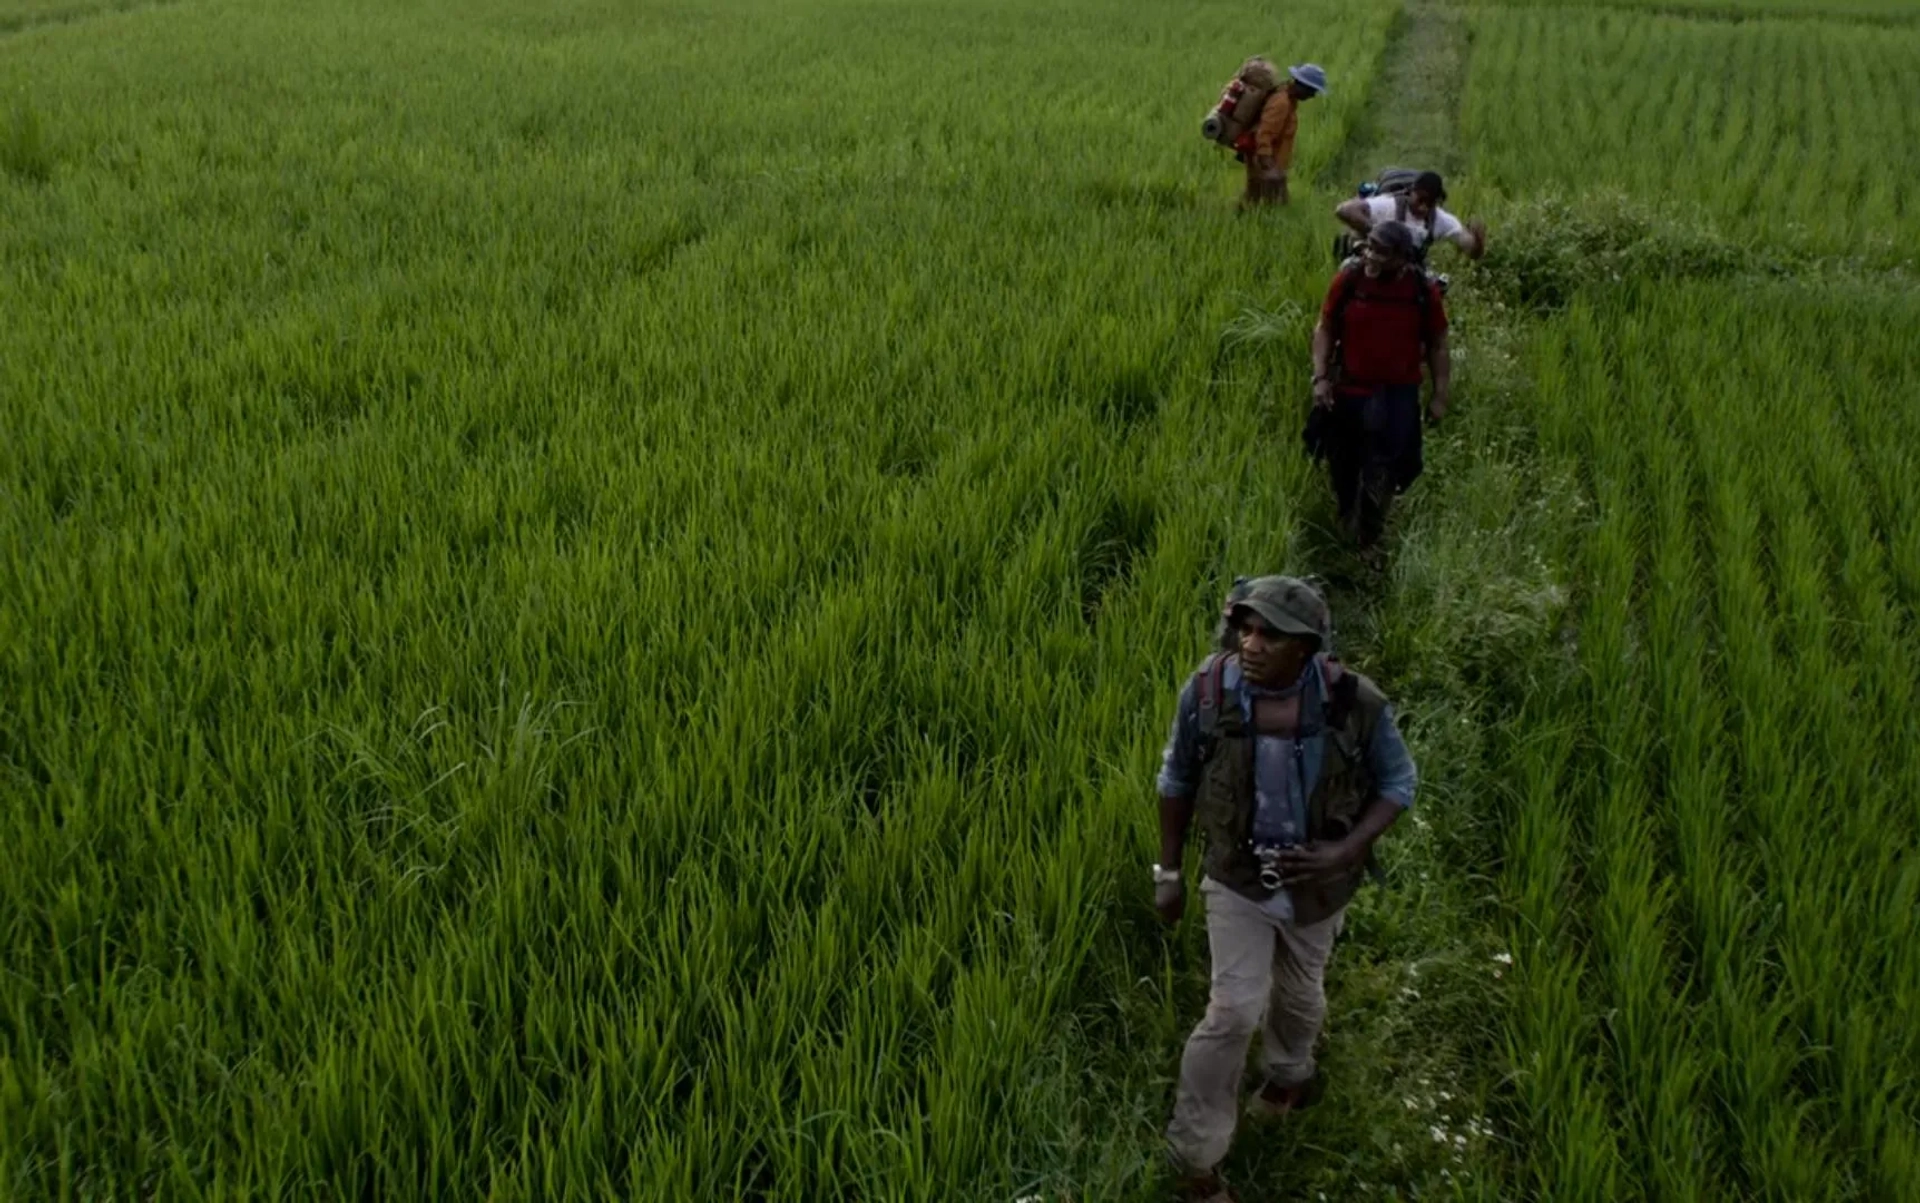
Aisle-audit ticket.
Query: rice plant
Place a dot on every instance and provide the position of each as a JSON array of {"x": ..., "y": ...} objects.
[{"x": 1740, "y": 756}]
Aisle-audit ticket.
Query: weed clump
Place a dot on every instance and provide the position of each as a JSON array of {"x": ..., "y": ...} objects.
[
  {"x": 1551, "y": 248},
  {"x": 24, "y": 151}
]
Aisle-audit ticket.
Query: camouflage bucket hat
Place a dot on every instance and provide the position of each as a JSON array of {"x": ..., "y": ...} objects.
[{"x": 1287, "y": 603}]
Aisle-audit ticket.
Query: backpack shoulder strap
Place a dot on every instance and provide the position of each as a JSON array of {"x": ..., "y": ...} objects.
[
  {"x": 1349, "y": 279},
  {"x": 1210, "y": 685},
  {"x": 1343, "y": 690},
  {"x": 1350, "y": 695},
  {"x": 1425, "y": 248},
  {"x": 1348, "y": 692}
]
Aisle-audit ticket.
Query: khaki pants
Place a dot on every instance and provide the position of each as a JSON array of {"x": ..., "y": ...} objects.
[{"x": 1267, "y": 974}]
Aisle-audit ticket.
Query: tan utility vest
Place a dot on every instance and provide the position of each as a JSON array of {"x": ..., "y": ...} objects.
[{"x": 1224, "y": 802}]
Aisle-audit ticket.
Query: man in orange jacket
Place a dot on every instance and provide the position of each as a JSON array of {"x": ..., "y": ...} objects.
[{"x": 1268, "y": 147}]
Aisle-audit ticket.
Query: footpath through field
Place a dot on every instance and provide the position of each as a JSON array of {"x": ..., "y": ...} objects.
[{"x": 1413, "y": 1043}]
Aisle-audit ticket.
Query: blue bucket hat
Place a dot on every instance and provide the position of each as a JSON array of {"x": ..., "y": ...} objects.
[{"x": 1309, "y": 75}]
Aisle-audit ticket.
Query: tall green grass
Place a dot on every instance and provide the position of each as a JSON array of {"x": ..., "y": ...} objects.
[
  {"x": 590, "y": 591},
  {"x": 1721, "y": 796}
]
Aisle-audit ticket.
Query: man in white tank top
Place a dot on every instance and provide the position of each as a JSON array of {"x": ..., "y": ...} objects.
[{"x": 1420, "y": 209}]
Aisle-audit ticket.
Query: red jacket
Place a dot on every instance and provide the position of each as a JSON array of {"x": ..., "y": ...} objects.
[{"x": 1377, "y": 326}]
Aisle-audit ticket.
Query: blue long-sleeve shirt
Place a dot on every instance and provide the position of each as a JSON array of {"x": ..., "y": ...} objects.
[{"x": 1283, "y": 781}]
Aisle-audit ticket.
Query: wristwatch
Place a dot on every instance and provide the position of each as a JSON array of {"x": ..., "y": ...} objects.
[{"x": 1162, "y": 876}]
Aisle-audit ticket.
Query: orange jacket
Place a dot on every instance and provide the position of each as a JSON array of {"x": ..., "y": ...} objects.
[{"x": 1273, "y": 137}]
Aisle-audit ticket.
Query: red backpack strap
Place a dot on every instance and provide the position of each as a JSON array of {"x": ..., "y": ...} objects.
[{"x": 1349, "y": 283}]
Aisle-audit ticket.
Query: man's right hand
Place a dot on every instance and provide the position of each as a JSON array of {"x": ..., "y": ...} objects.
[
  {"x": 1323, "y": 394},
  {"x": 1170, "y": 899}
]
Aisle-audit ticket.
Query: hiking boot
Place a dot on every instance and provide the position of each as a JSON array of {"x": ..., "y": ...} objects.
[
  {"x": 1274, "y": 1100},
  {"x": 1203, "y": 1188}
]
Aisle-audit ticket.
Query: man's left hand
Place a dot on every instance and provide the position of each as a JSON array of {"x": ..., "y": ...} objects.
[
  {"x": 1321, "y": 863},
  {"x": 1437, "y": 408}
]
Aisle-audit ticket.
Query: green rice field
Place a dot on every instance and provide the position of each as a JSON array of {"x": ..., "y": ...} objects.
[{"x": 590, "y": 591}]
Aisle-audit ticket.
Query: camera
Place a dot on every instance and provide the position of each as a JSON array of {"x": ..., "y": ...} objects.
[{"x": 1268, "y": 856}]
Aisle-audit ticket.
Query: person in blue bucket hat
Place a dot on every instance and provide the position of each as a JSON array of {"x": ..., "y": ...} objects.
[
  {"x": 1309, "y": 75},
  {"x": 1267, "y": 148}
]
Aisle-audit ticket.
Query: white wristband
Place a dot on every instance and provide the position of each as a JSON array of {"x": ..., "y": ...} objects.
[{"x": 1162, "y": 876}]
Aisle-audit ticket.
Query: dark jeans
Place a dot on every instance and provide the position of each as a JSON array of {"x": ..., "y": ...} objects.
[{"x": 1373, "y": 449}]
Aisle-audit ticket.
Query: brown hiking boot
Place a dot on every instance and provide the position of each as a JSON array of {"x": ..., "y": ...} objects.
[
  {"x": 1203, "y": 1188},
  {"x": 1274, "y": 1100}
]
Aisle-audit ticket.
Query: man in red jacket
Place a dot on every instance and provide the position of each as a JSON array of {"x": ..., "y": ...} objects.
[{"x": 1382, "y": 323}]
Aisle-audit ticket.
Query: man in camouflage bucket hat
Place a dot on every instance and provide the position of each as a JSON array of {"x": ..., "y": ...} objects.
[{"x": 1292, "y": 766}]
